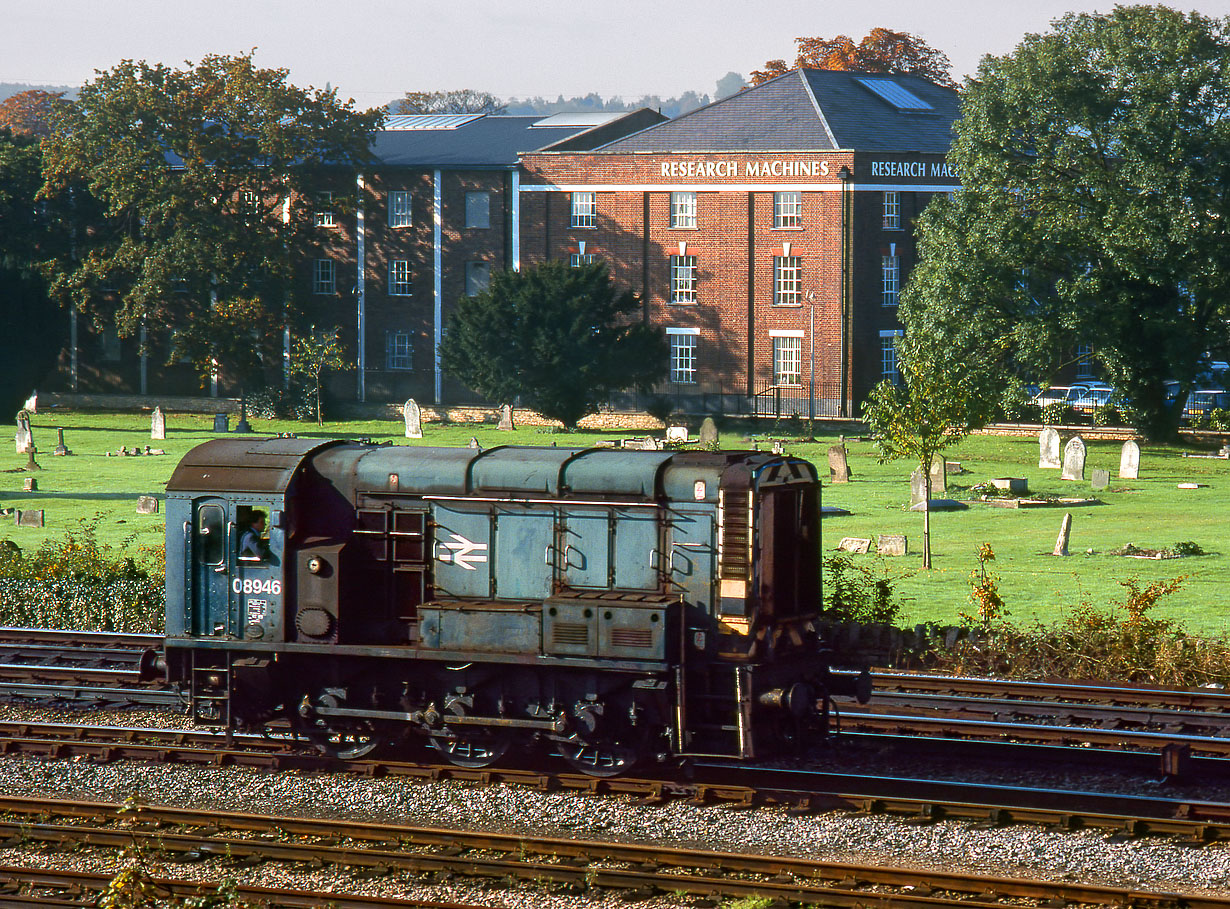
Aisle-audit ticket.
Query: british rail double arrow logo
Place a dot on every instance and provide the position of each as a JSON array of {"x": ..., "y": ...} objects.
[{"x": 463, "y": 552}]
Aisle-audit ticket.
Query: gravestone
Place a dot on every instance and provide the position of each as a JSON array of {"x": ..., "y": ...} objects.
[
  {"x": 222, "y": 423},
  {"x": 147, "y": 505},
  {"x": 918, "y": 487},
  {"x": 30, "y": 485},
  {"x": 854, "y": 544},
  {"x": 61, "y": 448},
  {"x": 649, "y": 443},
  {"x": 1129, "y": 461},
  {"x": 473, "y": 443},
  {"x": 677, "y": 435},
  {"x": 939, "y": 474},
  {"x": 31, "y": 518},
  {"x": 1065, "y": 531},
  {"x": 158, "y": 425},
  {"x": 1017, "y": 486},
  {"x": 25, "y": 435},
  {"x": 1074, "y": 459},
  {"x": 506, "y": 419},
  {"x": 778, "y": 448},
  {"x": 31, "y": 464},
  {"x": 414, "y": 419},
  {"x": 1101, "y": 478},
  {"x": 892, "y": 544},
  {"x": 708, "y": 432},
  {"x": 839, "y": 465},
  {"x": 1048, "y": 448}
]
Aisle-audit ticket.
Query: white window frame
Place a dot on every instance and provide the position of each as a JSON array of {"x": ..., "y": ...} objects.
[
  {"x": 1084, "y": 361},
  {"x": 398, "y": 350},
  {"x": 324, "y": 277},
  {"x": 399, "y": 208},
  {"x": 682, "y": 355},
  {"x": 787, "y": 281},
  {"x": 584, "y": 210},
  {"x": 400, "y": 283},
  {"x": 888, "y": 356},
  {"x": 683, "y": 210},
  {"x": 787, "y": 358},
  {"x": 471, "y": 268},
  {"x": 890, "y": 280},
  {"x": 576, "y": 260},
  {"x": 892, "y": 210},
  {"x": 473, "y": 222},
  {"x": 788, "y": 210},
  {"x": 324, "y": 211},
  {"x": 683, "y": 279}
]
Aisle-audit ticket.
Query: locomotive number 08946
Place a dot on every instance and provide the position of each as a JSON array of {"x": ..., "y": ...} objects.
[{"x": 257, "y": 585}]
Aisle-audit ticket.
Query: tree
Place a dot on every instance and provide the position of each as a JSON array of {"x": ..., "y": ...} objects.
[
  {"x": 458, "y": 101},
  {"x": 313, "y": 352},
  {"x": 559, "y": 338},
  {"x": 882, "y": 51},
  {"x": 730, "y": 84},
  {"x": 935, "y": 405},
  {"x": 1095, "y": 171},
  {"x": 203, "y": 178},
  {"x": 31, "y": 330},
  {"x": 31, "y": 112}
]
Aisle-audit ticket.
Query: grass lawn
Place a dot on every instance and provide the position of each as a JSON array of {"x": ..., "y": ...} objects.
[{"x": 1150, "y": 512}]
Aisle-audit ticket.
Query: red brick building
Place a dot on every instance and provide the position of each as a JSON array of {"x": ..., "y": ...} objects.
[{"x": 768, "y": 233}]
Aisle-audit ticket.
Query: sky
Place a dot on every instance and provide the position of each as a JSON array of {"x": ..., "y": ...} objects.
[{"x": 376, "y": 50}]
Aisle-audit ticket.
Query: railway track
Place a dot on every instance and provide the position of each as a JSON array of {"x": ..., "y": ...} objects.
[
  {"x": 732, "y": 784},
  {"x": 381, "y": 851}
]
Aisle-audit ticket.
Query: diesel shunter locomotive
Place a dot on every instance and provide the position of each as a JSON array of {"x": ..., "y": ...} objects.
[{"x": 613, "y": 605}]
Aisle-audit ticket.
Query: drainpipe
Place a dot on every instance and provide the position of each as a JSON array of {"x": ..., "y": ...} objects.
[
  {"x": 847, "y": 219},
  {"x": 361, "y": 290}
]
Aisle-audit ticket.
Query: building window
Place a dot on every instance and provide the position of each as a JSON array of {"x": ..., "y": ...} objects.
[
  {"x": 683, "y": 279},
  {"x": 478, "y": 210},
  {"x": 576, "y": 260},
  {"x": 888, "y": 357},
  {"x": 788, "y": 209},
  {"x": 399, "y": 208},
  {"x": 787, "y": 360},
  {"x": 891, "y": 272},
  {"x": 1084, "y": 361},
  {"x": 478, "y": 276},
  {"x": 787, "y": 281},
  {"x": 324, "y": 209},
  {"x": 324, "y": 280},
  {"x": 892, "y": 211},
  {"x": 398, "y": 354},
  {"x": 399, "y": 278},
  {"x": 683, "y": 358},
  {"x": 683, "y": 209},
  {"x": 584, "y": 210},
  {"x": 109, "y": 345}
]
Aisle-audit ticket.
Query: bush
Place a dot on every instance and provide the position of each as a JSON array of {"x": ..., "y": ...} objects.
[
  {"x": 277, "y": 403},
  {"x": 1056, "y": 413},
  {"x": 853, "y": 593}
]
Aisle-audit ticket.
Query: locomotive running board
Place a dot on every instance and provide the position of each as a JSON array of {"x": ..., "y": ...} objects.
[{"x": 447, "y": 720}]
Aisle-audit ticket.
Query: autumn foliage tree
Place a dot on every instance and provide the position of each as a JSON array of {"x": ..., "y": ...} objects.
[
  {"x": 882, "y": 51},
  {"x": 30, "y": 113}
]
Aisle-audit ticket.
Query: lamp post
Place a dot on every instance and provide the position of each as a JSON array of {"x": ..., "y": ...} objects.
[{"x": 811, "y": 369}]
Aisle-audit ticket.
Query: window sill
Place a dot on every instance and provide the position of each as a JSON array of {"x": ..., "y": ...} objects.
[
  {"x": 787, "y": 305},
  {"x": 675, "y": 227},
  {"x": 797, "y": 229},
  {"x": 682, "y": 302}
]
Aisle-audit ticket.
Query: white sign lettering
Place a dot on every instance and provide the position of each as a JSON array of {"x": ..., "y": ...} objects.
[
  {"x": 709, "y": 170},
  {"x": 914, "y": 169},
  {"x": 463, "y": 552}
]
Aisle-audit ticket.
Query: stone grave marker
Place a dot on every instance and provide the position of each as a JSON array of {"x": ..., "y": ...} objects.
[
  {"x": 1065, "y": 532},
  {"x": 1101, "y": 478},
  {"x": 1129, "y": 461},
  {"x": 147, "y": 505},
  {"x": 854, "y": 544},
  {"x": 24, "y": 438},
  {"x": 939, "y": 474},
  {"x": 158, "y": 425},
  {"x": 708, "y": 432},
  {"x": 649, "y": 443},
  {"x": 839, "y": 465},
  {"x": 677, "y": 435},
  {"x": 29, "y": 518},
  {"x": 473, "y": 443},
  {"x": 1048, "y": 448},
  {"x": 31, "y": 464},
  {"x": 778, "y": 448},
  {"x": 414, "y": 419},
  {"x": 1074, "y": 459},
  {"x": 918, "y": 487},
  {"x": 61, "y": 448},
  {"x": 222, "y": 423},
  {"x": 30, "y": 484},
  {"x": 892, "y": 544},
  {"x": 506, "y": 419},
  {"x": 1017, "y": 486}
]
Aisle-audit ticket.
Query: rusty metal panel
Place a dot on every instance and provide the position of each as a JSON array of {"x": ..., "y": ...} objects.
[{"x": 483, "y": 627}]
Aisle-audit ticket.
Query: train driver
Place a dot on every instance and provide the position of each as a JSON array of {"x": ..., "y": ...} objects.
[{"x": 252, "y": 546}]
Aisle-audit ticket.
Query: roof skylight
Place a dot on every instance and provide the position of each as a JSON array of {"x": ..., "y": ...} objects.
[{"x": 899, "y": 97}]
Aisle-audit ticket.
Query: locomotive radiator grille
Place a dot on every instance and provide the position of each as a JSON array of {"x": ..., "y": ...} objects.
[
  {"x": 570, "y": 634},
  {"x": 735, "y": 534},
  {"x": 632, "y": 637}
]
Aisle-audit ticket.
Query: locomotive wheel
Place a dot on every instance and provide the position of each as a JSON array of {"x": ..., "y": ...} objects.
[
  {"x": 473, "y": 749},
  {"x": 604, "y": 757},
  {"x": 342, "y": 744}
]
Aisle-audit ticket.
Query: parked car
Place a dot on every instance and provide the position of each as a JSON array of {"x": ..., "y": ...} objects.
[{"x": 1085, "y": 397}]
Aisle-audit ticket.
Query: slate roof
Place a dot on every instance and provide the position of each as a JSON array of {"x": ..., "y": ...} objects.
[
  {"x": 484, "y": 141},
  {"x": 808, "y": 110}
]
